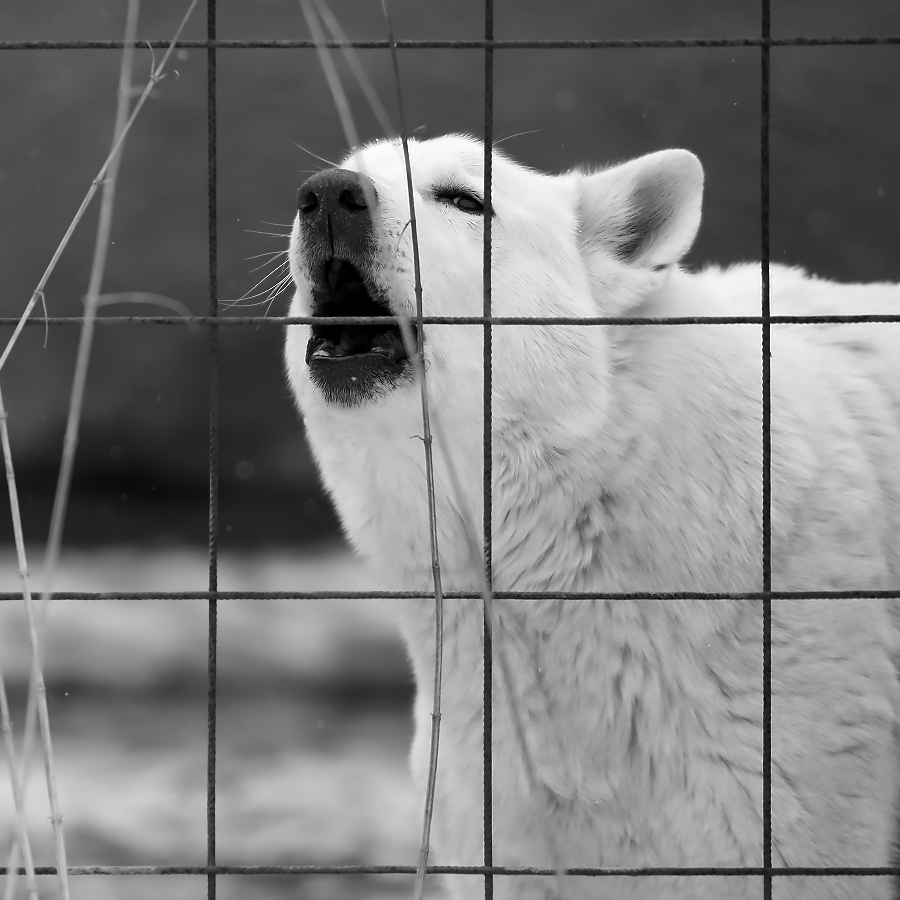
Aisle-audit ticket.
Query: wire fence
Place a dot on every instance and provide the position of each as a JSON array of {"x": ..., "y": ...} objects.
[{"x": 213, "y": 321}]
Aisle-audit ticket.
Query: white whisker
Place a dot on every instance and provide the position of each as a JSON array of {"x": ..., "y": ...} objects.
[
  {"x": 509, "y": 137},
  {"x": 316, "y": 155},
  {"x": 264, "y": 264},
  {"x": 270, "y": 233},
  {"x": 277, "y": 288},
  {"x": 267, "y": 253},
  {"x": 276, "y": 272}
]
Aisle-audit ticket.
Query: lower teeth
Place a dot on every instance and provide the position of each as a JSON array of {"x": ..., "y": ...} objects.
[{"x": 387, "y": 345}]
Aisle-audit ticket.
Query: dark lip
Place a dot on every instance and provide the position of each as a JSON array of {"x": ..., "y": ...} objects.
[{"x": 353, "y": 363}]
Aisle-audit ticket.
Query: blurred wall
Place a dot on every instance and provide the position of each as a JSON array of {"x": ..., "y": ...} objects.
[{"x": 143, "y": 457}]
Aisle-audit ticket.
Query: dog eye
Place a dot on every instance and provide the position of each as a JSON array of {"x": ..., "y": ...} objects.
[{"x": 462, "y": 201}]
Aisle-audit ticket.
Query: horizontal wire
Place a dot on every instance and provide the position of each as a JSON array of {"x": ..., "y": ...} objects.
[
  {"x": 652, "y": 871},
  {"x": 465, "y": 595},
  {"x": 658, "y": 43},
  {"x": 464, "y": 320},
  {"x": 479, "y": 320}
]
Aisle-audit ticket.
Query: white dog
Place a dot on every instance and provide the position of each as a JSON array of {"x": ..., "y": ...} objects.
[{"x": 625, "y": 458}]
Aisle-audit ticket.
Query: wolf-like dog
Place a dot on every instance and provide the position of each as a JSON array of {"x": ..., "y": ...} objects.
[{"x": 625, "y": 458}]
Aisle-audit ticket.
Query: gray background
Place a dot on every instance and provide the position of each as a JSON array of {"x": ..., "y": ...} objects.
[
  {"x": 835, "y": 190},
  {"x": 313, "y": 702}
]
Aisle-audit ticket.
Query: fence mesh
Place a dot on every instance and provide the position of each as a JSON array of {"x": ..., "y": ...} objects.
[{"x": 212, "y": 45}]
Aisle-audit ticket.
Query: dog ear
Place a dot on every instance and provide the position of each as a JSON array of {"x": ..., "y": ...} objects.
[{"x": 645, "y": 212}]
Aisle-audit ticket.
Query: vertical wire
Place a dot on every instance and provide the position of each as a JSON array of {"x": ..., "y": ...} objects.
[
  {"x": 766, "y": 450},
  {"x": 213, "y": 448},
  {"x": 488, "y": 666}
]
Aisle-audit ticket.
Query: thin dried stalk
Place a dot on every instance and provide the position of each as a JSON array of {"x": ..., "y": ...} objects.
[
  {"x": 414, "y": 352},
  {"x": 150, "y": 299},
  {"x": 21, "y": 829},
  {"x": 368, "y": 89},
  {"x": 37, "y": 695},
  {"x": 12, "y": 862},
  {"x": 107, "y": 176},
  {"x": 471, "y": 534},
  {"x": 15, "y": 773},
  {"x": 470, "y": 530},
  {"x": 39, "y": 691},
  {"x": 155, "y": 76},
  {"x": 331, "y": 75}
]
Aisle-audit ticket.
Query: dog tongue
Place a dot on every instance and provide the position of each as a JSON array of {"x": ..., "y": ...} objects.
[
  {"x": 348, "y": 343},
  {"x": 390, "y": 345}
]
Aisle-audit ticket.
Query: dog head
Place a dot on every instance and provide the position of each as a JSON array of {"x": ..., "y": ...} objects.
[
  {"x": 581, "y": 244},
  {"x": 578, "y": 244}
]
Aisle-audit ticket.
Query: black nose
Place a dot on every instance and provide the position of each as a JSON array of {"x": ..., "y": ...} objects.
[
  {"x": 338, "y": 190},
  {"x": 335, "y": 208}
]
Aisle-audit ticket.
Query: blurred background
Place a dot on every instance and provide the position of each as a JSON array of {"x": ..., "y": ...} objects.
[{"x": 313, "y": 722}]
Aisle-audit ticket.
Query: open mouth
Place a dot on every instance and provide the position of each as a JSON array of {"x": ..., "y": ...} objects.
[{"x": 353, "y": 363}]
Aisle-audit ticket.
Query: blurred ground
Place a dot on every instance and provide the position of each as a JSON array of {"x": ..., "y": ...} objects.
[{"x": 312, "y": 733}]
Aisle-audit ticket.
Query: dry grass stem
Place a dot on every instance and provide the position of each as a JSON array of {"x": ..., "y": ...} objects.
[
  {"x": 437, "y": 434},
  {"x": 368, "y": 89},
  {"x": 155, "y": 76},
  {"x": 414, "y": 352},
  {"x": 13, "y": 860},
  {"x": 152, "y": 300},
  {"x": 38, "y": 699},
  {"x": 471, "y": 532},
  {"x": 92, "y": 299},
  {"x": 106, "y": 177},
  {"x": 21, "y": 844},
  {"x": 37, "y": 695},
  {"x": 143, "y": 297},
  {"x": 331, "y": 73},
  {"x": 21, "y": 830}
]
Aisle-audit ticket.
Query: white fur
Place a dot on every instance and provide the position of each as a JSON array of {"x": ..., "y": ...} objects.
[{"x": 628, "y": 458}]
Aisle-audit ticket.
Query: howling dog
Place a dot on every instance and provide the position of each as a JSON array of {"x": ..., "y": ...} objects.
[{"x": 625, "y": 458}]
